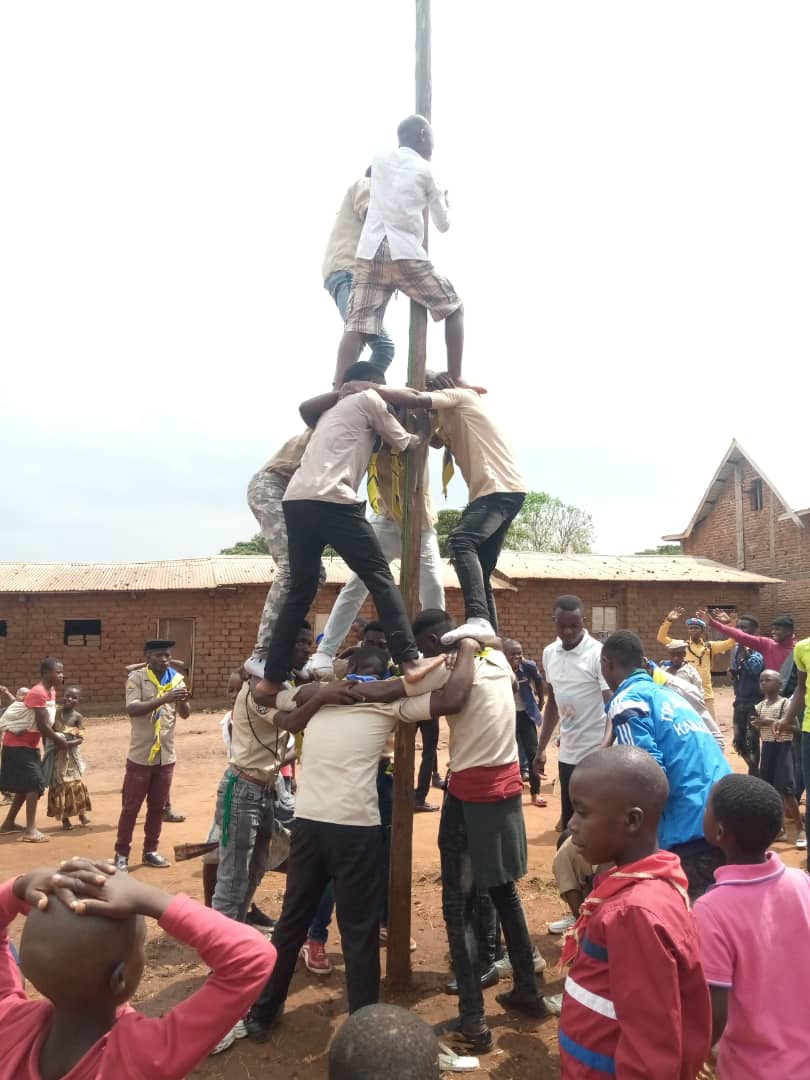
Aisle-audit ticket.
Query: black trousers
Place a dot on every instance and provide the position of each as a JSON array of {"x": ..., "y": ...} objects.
[
  {"x": 699, "y": 861},
  {"x": 352, "y": 855},
  {"x": 311, "y": 525},
  {"x": 430, "y": 759},
  {"x": 565, "y": 771},
  {"x": 475, "y": 545},
  {"x": 746, "y": 738},
  {"x": 467, "y": 924},
  {"x": 526, "y": 734}
]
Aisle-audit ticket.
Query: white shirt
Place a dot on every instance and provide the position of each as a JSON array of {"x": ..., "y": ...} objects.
[
  {"x": 402, "y": 187},
  {"x": 575, "y": 676},
  {"x": 341, "y": 755},
  {"x": 339, "y": 450}
]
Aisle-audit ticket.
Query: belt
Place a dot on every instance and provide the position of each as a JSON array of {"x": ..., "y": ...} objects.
[{"x": 266, "y": 785}]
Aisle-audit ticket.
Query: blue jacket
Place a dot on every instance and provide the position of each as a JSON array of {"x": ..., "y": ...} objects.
[
  {"x": 745, "y": 673},
  {"x": 658, "y": 720},
  {"x": 526, "y": 673}
]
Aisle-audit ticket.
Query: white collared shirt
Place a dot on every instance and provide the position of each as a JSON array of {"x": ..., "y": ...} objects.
[
  {"x": 402, "y": 187},
  {"x": 575, "y": 676}
]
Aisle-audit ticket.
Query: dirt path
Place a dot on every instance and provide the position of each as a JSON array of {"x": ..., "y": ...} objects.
[{"x": 316, "y": 1006}]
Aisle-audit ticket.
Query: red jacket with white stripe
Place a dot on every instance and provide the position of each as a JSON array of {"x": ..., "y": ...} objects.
[{"x": 636, "y": 1004}]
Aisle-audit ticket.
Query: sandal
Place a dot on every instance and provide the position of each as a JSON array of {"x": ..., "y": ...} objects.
[
  {"x": 40, "y": 838},
  {"x": 66, "y": 825},
  {"x": 174, "y": 819}
]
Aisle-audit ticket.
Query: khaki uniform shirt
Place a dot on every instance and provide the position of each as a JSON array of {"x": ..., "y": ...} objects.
[
  {"x": 342, "y": 246},
  {"x": 286, "y": 460},
  {"x": 486, "y": 460},
  {"x": 141, "y": 688},
  {"x": 258, "y": 742}
]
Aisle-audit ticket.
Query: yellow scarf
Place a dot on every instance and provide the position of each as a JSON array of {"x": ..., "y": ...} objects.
[
  {"x": 373, "y": 486},
  {"x": 162, "y": 688}
]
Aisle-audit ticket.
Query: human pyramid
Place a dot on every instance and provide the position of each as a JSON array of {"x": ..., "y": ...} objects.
[{"x": 650, "y": 809}]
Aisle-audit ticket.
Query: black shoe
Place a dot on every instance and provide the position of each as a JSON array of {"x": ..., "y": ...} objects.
[
  {"x": 524, "y": 1002},
  {"x": 258, "y": 1026},
  {"x": 122, "y": 864},
  {"x": 477, "y": 1039},
  {"x": 488, "y": 978},
  {"x": 256, "y": 917},
  {"x": 438, "y": 782},
  {"x": 152, "y": 858},
  {"x": 424, "y": 808}
]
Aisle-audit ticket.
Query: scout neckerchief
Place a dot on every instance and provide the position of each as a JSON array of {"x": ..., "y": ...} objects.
[
  {"x": 373, "y": 486},
  {"x": 162, "y": 688},
  {"x": 707, "y": 648}
]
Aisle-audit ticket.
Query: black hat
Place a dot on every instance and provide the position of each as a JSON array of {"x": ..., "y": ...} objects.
[{"x": 158, "y": 645}]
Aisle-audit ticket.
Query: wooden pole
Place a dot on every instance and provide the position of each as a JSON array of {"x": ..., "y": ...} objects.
[{"x": 398, "y": 965}]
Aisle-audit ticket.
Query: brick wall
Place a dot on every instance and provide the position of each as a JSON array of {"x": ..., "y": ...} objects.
[
  {"x": 225, "y": 624},
  {"x": 770, "y": 546}
]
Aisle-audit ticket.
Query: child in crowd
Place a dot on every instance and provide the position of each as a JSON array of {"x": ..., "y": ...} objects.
[
  {"x": 384, "y": 1041},
  {"x": 83, "y": 947},
  {"x": 776, "y": 760},
  {"x": 635, "y": 1002},
  {"x": 754, "y": 925},
  {"x": 67, "y": 793}
]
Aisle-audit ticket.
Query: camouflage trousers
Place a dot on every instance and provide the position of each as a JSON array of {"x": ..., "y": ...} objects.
[{"x": 264, "y": 494}]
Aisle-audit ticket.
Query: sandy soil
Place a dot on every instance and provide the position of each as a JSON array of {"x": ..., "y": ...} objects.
[{"x": 316, "y": 1006}]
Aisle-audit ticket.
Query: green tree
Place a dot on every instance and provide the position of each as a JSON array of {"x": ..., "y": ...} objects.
[
  {"x": 257, "y": 545},
  {"x": 662, "y": 549},
  {"x": 546, "y": 523},
  {"x": 448, "y": 519}
]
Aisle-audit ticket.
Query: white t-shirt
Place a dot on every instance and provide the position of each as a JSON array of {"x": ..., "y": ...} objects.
[
  {"x": 342, "y": 750},
  {"x": 575, "y": 676}
]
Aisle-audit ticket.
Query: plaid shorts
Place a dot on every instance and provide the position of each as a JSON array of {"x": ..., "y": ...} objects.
[{"x": 376, "y": 280}]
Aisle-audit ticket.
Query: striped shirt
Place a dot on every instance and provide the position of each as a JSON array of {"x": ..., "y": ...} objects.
[
  {"x": 771, "y": 713},
  {"x": 636, "y": 1004}
]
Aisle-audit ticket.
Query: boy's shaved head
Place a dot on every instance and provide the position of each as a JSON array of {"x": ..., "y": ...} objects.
[
  {"x": 76, "y": 960},
  {"x": 384, "y": 1041},
  {"x": 618, "y": 796},
  {"x": 415, "y": 132}
]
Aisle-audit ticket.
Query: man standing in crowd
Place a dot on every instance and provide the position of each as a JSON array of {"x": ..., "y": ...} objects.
[
  {"x": 528, "y": 703},
  {"x": 155, "y": 695},
  {"x": 576, "y": 694},
  {"x": 659, "y": 721},
  {"x": 745, "y": 668},
  {"x": 699, "y": 651},
  {"x": 776, "y": 650}
]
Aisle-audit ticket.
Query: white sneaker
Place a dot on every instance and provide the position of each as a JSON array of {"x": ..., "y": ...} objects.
[
  {"x": 480, "y": 629},
  {"x": 504, "y": 965},
  {"x": 321, "y": 665},
  {"x": 561, "y": 925},
  {"x": 255, "y": 667},
  {"x": 238, "y": 1031},
  {"x": 801, "y": 840},
  {"x": 553, "y": 1003}
]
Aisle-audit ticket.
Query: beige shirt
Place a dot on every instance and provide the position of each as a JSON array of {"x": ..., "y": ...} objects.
[
  {"x": 345, "y": 234},
  {"x": 286, "y": 460},
  {"x": 338, "y": 453},
  {"x": 486, "y": 460},
  {"x": 258, "y": 742},
  {"x": 342, "y": 750},
  {"x": 141, "y": 688},
  {"x": 483, "y": 733},
  {"x": 385, "y": 479}
]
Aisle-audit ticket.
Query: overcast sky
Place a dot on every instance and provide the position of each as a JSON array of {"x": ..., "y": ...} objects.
[{"x": 629, "y": 187}]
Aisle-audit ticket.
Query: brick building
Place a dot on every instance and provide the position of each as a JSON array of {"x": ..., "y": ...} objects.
[
  {"x": 95, "y": 617},
  {"x": 743, "y": 521}
]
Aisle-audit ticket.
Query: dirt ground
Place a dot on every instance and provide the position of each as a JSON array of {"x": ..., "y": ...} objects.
[{"x": 316, "y": 1006}]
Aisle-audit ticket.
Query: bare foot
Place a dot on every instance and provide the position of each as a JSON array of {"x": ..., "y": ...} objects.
[
  {"x": 11, "y": 827},
  {"x": 66, "y": 825},
  {"x": 84, "y": 820},
  {"x": 414, "y": 671}
]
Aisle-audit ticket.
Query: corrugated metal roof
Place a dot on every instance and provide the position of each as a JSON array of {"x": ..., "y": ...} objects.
[
  {"x": 517, "y": 565},
  {"x": 230, "y": 571}
]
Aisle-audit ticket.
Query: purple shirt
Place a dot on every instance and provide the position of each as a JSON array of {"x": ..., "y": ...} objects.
[{"x": 754, "y": 929}]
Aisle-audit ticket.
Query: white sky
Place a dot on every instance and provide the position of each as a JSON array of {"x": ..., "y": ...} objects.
[{"x": 629, "y": 186}]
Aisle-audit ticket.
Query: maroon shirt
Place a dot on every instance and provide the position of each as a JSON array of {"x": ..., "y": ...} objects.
[{"x": 774, "y": 653}]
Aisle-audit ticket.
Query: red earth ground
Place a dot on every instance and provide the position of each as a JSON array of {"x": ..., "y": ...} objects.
[{"x": 316, "y": 1006}]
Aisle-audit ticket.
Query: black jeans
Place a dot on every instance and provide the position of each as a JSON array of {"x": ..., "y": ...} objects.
[
  {"x": 699, "y": 861},
  {"x": 475, "y": 545},
  {"x": 526, "y": 734},
  {"x": 565, "y": 771},
  {"x": 746, "y": 738},
  {"x": 311, "y": 525},
  {"x": 430, "y": 759},
  {"x": 467, "y": 923},
  {"x": 353, "y": 856}
]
